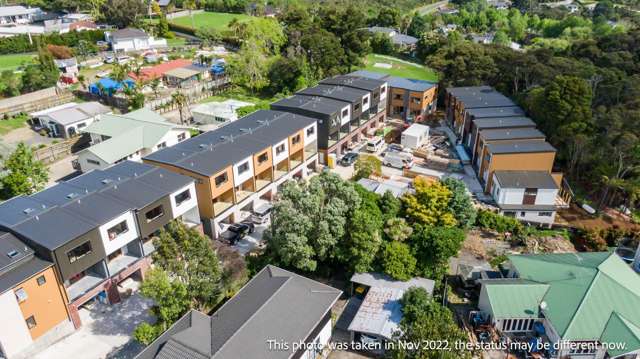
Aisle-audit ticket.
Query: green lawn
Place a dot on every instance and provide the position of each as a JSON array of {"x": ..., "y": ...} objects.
[
  {"x": 216, "y": 20},
  {"x": 399, "y": 68},
  {"x": 13, "y": 61},
  {"x": 176, "y": 41},
  {"x": 11, "y": 124}
]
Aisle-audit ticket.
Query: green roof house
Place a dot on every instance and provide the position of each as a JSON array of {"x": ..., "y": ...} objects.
[
  {"x": 588, "y": 298},
  {"x": 130, "y": 136}
]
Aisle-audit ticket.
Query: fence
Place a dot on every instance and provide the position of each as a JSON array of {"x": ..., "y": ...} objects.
[
  {"x": 183, "y": 13},
  {"x": 34, "y": 101},
  {"x": 62, "y": 149},
  {"x": 193, "y": 95}
]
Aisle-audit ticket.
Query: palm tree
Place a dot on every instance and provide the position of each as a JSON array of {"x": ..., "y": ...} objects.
[{"x": 180, "y": 100}]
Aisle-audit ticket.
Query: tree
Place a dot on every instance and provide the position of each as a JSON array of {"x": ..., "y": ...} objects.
[
  {"x": 366, "y": 166},
  {"x": 123, "y": 13},
  {"x": 424, "y": 319},
  {"x": 430, "y": 204},
  {"x": 180, "y": 100},
  {"x": 460, "y": 203},
  {"x": 388, "y": 17},
  {"x": 287, "y": 75},
  {"x": 209, "y": 35},
  {"x": 398, "y": 262},
  {"x": 501, "y": 38},
  {"x": 397, "y": 229},
  {"x": 249, "y": 67},
  {"x": 382, "y": 44},
  {"x": 10, "y": 83},
  {"x": 189, "y": 259},
  {"x": 44, "y": 74},
  {"x": 24, "y": 174},
  {"x": 433, "y": 246},
  {"x": 60, "y": 52},
  {"x": 390, "y": 206},
  {"x": 418, "y": 26},
  {"x": 324, "y": 53}
]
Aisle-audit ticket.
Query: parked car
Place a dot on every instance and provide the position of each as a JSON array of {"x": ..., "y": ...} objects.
[
  {"x": 349, "y": 159},
  {"x": 375, "y": 144},
  {"x": 262, "y": 213},
  {"x": 394, "y": 147},
  {"x": 235, "y": 232},
  {"x": 398, "y": 160}
]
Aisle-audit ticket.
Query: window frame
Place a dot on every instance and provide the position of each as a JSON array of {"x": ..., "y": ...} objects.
[
  {"x": 43, "y": 279},
  {"x": 220, "y": 183},
  {"x": 179, "y": 202},
  {"x": 21, "y": 295},
  {"x": 109, "y": 231},
  {"x": 160, "y": 207},
  {"x": 29, "y": 325},
  {"x": 243, "y": 167},
  {"x": 78, "y": 257}
]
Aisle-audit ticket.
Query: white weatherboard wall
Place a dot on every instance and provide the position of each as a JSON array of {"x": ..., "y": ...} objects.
[
  {"x": 366, "y": 102},
  {"x": 238, "y": 178},
  {"x": 186, "y": 205},
  {"x": 14, "y": 334},
  {"x": 309, "y": 139},
  {"x": 516, "y": 195},
  {"x": 85, "y": 166},
  {"x": 111, "y": 246},
  {"x": 285, "y": 154},
  {"x": 322, "y": 339},
  {"x": 347, "y": 118}
]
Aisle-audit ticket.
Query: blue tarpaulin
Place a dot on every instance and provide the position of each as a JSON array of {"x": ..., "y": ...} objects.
[
  {"x": 109, "y": 86},
  {"x": 462, "y": 153}
]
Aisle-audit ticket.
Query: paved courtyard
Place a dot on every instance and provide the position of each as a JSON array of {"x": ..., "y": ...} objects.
[{"x": 106, "y": 330}]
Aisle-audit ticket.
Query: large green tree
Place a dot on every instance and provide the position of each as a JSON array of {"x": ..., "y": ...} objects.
[
  {"x": 460, "y": 203},
  {"x": 430, "y": 204},
  {"x": 398, "y": 261},
  {"x": 24, "y": 174},
  {"x": 433, "y": 246}
]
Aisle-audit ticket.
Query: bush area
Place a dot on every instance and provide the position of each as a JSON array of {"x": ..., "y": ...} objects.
[
  {"x": 499, "y": 223},
  {"x": 20, "y": 43}
]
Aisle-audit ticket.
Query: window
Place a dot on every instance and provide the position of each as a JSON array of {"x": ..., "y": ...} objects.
[
  {"x": 21, "y": 295},
  {"x": 383, "y": 90},
  {"x": 295, "y": 140},
  {"x": 82, "y": 125},
  {"x": 509, "y": 214},
  {"x": 243, "y": 168},
  {"x": 117, "y": 230},
  {"x": 41, "y": 280},
  {"x": 545, "y": 214},
  {"x": 162, "y": 145},
  {"x": 221, "y": 179},
  {"x": 263, "y": 157},
  {"x": 310, "y": 131},
  {"x": 280, "y": 149},
  {"x": 416, "y": 100},
  {"x": 93, "y": 162},
  {"x": 182, "y": 196},
  {"x": 522, "y": 214},
  {"x": 345, "y": 112},
  {"x": 182, "y": 137},
  {"x": 79, "y": 252},
  {"x": 365, "y": 101},
  {"x": 530, "y": 196},
  {"x": 154, "y": 213},
  {"x": 31, "y": 322},
  {"x": 397, "y": 96},
  {"x": 356, "y": 107}
]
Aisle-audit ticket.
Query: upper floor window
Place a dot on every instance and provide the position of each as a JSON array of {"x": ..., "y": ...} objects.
[
  {"x": 79, "y": 252},
  {"x": 345, "y": 112},
  {"x": 310, "y": 131},
  {"x": 295, "y": 139},
  {"x": 21, "y": 295},
  {"x": 530, "y": 195},
  {"x": 162, "y": 145},
  {"x": 263, "y": 157},
  {"x": 416, "y": 100},
  {"x": 31, "y": 322},
  {"x": 41, "y": 280},
  {"x": 117, "y": 230},
  {"x": 280, "y": 149},
  {"x": 545, "y": 214},
  {"x": 93, "y": 162},
  {"x": 223, "y": 178},
  {"x": 365, "y": 101},
  {"x": 356, "y": 107},
  {"x": 383, "y": 89},
  {"x": 182, "y": 196},
  {"x": 182, "y": 137},
  {"x": 157, "y": 212},
  {"x": 397, "y": 96},
  {"x": 243, "y": 168}
]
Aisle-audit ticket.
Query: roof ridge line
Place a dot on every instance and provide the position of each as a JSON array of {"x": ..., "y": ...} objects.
[{"x": 582, "y": 300}]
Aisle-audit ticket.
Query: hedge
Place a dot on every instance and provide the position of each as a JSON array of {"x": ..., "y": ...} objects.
[
  {"x": 182, "y": 29},
  {"x": 497, "y": 222},
  {"x": 20, "y": 43}
]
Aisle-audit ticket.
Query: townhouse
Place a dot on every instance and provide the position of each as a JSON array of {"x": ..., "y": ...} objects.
[
  {"x": 275, "y": 308},
  {"x": 238, "y": 166},
  {"x": 493, "y": 123},
  {"x": 579, "y": 305},
  {"x": 409, "y": 99},
  {"x": 32, "y": 301},
  {"x": 503, "y": 135},
  {"x": 96, "y": 228}
]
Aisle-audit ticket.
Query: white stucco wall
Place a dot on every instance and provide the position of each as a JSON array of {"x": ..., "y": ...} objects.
[
  {"x": 366, "y": 106},
  {"x": 14, "y": 334},
  {"x": 322, "y": 339},
  {"x": 111, "y": 246},
  {"x": 277, "y": 158},
  {"x": 238, "y": 178},
  {"x": 314, "y": 136},
  {"x": 347, "y": 118},
  {"x": 186, "y": 205},
  {"x": 383, "y": 94},
  {"x": 85, "y": 166}
]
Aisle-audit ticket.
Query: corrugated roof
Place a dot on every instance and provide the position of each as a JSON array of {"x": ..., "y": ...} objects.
[
  {"x": 410, "y": 84},
  {"x": 369, "y": 75},
  {"x": 182, "y": 73},
  {"x": 153, "y": 72},
  {"x": 312, "y": 104},
  {"x": 21, "y": 272},
  {"x": 480, "y": 97},
  {"x": 526, "y": 179},
  {"x": 493, "y": 112},
  {"x": 515, "y": 299},
  {"x": 620, "y": 330},
  {"x": 128, "y": 33}
]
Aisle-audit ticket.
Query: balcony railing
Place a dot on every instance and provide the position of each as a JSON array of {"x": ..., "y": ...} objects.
[
  {"x": 83, "y": 285},
  {"x": 221, "y": 206},
  {"x": 242, "y": 194},
  {"x": 120, "y": 263}
]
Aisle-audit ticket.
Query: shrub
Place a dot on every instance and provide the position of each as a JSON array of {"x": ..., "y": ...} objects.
[
  {"x": 20, "y": 43},
  {"x": 398, "y": 262},
  {"x": 145, "y": 333},
  {"x": 499, "y": 223}
]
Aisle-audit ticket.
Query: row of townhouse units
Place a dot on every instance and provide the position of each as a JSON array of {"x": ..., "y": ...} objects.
[
  {"x": 347, "y": 109},
  {"x": 79, "y": 240},
  {"x": 511, "y": 157},
  {"x": 243, "y": 164}
]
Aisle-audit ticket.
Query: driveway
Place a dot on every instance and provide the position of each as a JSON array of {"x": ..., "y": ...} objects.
[
  {"x": 10, "y": 140},
  {"x": 106, "y": 329},
  {"x": 251, "y": 241},
  {"x": 62, "y": 170}
]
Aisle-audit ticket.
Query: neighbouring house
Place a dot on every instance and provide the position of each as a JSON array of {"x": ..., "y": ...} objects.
[
  {"x": 131, "y": 39},
  {"x": 583, "y": 305},
  {"x": 493, "y": 120},
  {"x": 275, "y": 307},
  {"x": 408, "y": 99},
  {"x": 374, "y": 311},
  {"x": 69, "y": 119},
  {"x": 33, "y": 307},
  {"x": 215, "y": 114},
  {"x": 68, "y": 67},
  {"x": 187, "y": 76},
  {"x": 503, "y": 135},
  {"x": 96, "y": 229},
  {"x": 414, "y": 136},
  {"x": 131, "y": 136},
  {"x": 19, "y": 15},
  {"x": 500, "y": 4},
  {"x": 157, "y": 71},
  {"x": 397, "y": 188},
  {"x": 404, "y": 42},
  {"x": 239, "y": 165}
]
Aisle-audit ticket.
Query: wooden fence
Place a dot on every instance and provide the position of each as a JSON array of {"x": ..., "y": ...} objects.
[
  {"x": 34, "y": 101},
  {"x": 57, "y": 151}
]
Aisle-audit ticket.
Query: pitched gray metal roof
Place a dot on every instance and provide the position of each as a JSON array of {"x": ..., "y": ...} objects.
[
  {"x": 23, "y": 271},
  {"x": 54, "y": 228},
  {"x": 511, "y": 133},
  {"x": 504, "y": 122},
  {"x": 12, "y": 251},
  {"x": 354, "y": 81},
  {"x": 315, "y": 104},
  {"x": 128, "y": 33},
  {"x": 480, "y": 97},
  {"x": 526, "y": 179},
  {"x": 520, "y": 147},
  {"x": 340, "y": 93},
  {"x": 212, "y": 151},
  {"x": 369, "y": 74},
  {"x": 410, "y": 84},
  {"x": 274, "y": 304},
  {"x": 491, "y": 112}
]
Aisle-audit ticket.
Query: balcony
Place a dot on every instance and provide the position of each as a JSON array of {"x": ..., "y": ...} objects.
[
  {"x": 246, "y": 189},
  {"x": 333, "y": 139},
  {"x": 83, "y": 285},
  {"x": 120, "y": 263},
  {"x": 148, "y": 247},
  {"x": 344, "y": 131},
  {"x": 281, "y": 169},
  {"x": 296, "y": 159},
  {"x": 263, "y": 179},
  {"x": 310, "y": 150},
  {"x": 222, "y": 202}
]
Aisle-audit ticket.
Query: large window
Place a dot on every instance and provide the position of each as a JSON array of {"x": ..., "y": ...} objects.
[
  {"x": 310, "y": 131},
  {"x": 243, "y": 168},
  {"x": 545, "y": 214},
  {"x": 21, "y": 295},
  {"x": 182, "y": 137},
  {"x": 220, "y": 180},
  {"x": 79, "y": 252},
  {"x": 183, "y": 196},
  {"x": 295, "y": 140},
  {"x": 263, "y": 157},
  {"x": 280, "y": 149},
  {"x": 93, "y": 162},
  {"x": 345, "y": 112},
  {"x": 157, "y": 212},
  {"x": 117, "y": 230},
  {"x": 530, "y": 195},
  {"x": 31, "y": 322}
]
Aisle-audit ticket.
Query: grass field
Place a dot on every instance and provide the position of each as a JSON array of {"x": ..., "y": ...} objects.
[
  {"x": 400, "y": 68},
  {"x": 12, "y": 61},
  {"x": 216, "y": 20},
  {"x": 7, "y": 126}
]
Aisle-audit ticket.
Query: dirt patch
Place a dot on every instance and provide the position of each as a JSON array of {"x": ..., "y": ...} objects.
[{"x": 576, "y": 217}]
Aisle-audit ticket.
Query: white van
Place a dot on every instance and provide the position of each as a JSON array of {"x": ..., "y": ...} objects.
[
  {"x": 375, "y": 144},
  {"x": 398, "y": 160},
  {"x": 262, "y": 213}
]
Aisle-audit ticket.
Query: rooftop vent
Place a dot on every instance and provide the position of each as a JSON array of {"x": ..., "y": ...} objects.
[
  {"x": 72, "y": 195},
  {"x": 28, "y": 210},
  {"x": 12, "y": 254},
  {"x": 107, "y": 181}
]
